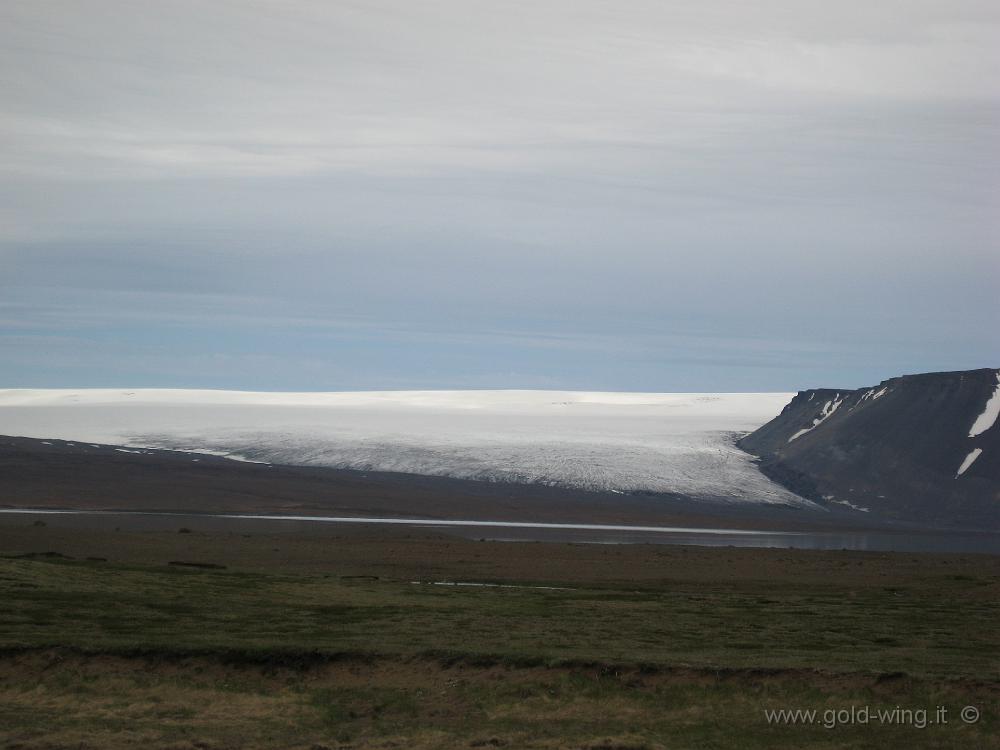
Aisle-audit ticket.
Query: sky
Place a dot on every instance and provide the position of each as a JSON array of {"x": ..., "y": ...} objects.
[{"x": 387, "y": 194}]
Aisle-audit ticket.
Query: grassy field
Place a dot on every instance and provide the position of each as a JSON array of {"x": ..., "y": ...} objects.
[{"x": 687, "y": 651}]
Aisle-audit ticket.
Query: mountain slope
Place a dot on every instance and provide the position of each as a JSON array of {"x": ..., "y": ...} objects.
[{"x": 922, "y": 448}]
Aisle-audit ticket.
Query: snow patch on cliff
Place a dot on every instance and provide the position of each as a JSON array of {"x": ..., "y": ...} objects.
[
  {"x": 825, "y": 413},
  {"x": 990, "y": 412},
  {"x": 968, "y": 461}
]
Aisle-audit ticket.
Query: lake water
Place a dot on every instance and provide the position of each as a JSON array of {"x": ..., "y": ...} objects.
[{"x": 890, "y": 541}]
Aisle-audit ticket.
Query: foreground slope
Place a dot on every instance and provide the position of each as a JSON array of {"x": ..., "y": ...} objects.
[
  {"x": 917, "y": 447},
  {"x": 303, "y": 644},
  {"x": 679, "y": 443}
]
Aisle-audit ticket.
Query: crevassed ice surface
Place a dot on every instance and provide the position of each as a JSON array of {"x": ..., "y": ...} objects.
[{"x": 660, "y": 442}]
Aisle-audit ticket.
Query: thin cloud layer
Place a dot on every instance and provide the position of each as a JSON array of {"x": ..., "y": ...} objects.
[{"x": 386, "y": 194}]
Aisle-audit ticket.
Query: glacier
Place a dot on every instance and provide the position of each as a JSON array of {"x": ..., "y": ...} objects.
[{"x": 623, "y": 442}]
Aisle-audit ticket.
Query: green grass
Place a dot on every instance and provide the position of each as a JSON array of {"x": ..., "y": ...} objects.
[
  {"x": 118, "y": 655},
  {"x": 945, "y": 630}
]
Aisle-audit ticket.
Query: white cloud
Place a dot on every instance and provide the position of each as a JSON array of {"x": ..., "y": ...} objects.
[{"x": 122, "y": 89}]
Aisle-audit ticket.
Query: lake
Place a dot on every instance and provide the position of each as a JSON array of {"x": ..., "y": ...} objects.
[{"x": 887, "y": 541}]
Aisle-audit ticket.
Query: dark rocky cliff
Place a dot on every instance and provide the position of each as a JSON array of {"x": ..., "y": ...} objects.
[{"x": 920, "y": 448}]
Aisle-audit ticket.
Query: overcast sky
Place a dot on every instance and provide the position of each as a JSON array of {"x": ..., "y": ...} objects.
[{"x": 622, "y": 195}]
